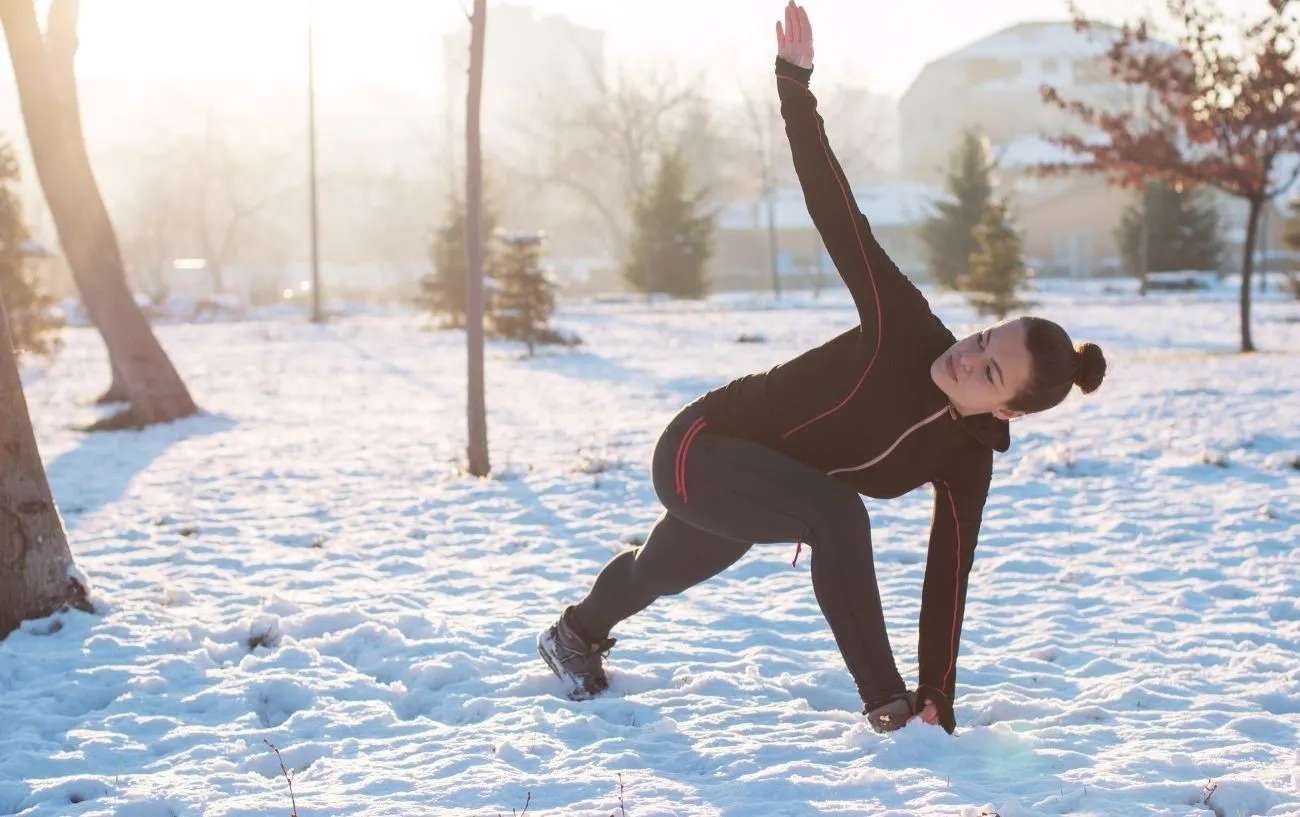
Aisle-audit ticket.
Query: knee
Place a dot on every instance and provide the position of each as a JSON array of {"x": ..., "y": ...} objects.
[{"x": 844, "y": 523}]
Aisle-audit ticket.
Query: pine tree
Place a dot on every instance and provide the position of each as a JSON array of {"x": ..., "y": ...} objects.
[
  {"x": 672, "y": 238},
  {"x": 523, "y": 295},
  {"x": 1183, "y": 232},
  {"x": 997, "y": 267},
  {"x": 30, "y": 320},
  {"x": 949, "y": 236},
  {"x": 443, "y": 291}
]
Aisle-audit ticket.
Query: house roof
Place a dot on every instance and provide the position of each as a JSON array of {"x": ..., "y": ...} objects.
[
  {"x": 890, "y": 204},
  {"x": 1051, "y": 39},
  {"x": 1029, "y": 151},
  {"x": 1054, "y": 39}
]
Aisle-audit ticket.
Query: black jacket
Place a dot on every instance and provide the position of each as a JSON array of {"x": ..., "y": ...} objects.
[{"x": 862, "y": 406}]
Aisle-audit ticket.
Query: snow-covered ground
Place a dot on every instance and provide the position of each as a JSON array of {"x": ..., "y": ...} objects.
[{"x": 306, "y": 565}]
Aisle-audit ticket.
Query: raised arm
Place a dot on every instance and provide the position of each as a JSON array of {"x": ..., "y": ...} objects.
[
  {"x": 958, "y": 511},
  {"x": 879, "y": 288}
]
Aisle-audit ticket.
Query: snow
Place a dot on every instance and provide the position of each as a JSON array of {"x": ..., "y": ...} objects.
[{"x": 305, "y": 565}]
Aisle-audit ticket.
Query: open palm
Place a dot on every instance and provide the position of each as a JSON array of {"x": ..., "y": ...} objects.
[{"x": 794, "y": 42}]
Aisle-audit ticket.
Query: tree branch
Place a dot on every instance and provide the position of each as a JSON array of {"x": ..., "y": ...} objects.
[{"x": 1218, "y": 119}]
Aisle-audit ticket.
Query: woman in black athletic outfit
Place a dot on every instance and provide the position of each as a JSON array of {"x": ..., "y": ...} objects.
[{"x": 783, "y": 456}]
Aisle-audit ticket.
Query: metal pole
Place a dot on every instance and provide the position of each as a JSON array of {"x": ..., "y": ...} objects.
[
  {"x": 316, "y": 316},
  {"x": 476, "y": 408}
]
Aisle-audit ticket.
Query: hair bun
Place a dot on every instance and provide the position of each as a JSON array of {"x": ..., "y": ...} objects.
[{"x": 1090, "y": 367}]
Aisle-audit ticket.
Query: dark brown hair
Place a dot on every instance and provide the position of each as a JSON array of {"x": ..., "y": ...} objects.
[{"x": 1057, "y": 365}]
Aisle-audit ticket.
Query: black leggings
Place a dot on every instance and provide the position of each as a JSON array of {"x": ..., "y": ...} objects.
[{"x": 722, "y": 495}]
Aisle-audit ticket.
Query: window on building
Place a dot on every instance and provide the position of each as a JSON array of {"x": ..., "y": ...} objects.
[
  {"x": 986, "y": 70},
  {"x": 1091, "y": 71},
  {"x": 1072, "y": 252}
]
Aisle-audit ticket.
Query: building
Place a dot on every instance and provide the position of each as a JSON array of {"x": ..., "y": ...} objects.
[
  {"x": 995, "y": 85},
  {"x": 742, "y": 256}
]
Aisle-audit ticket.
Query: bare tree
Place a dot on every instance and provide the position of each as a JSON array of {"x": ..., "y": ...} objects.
[
  {"x": 768, "y": 152},
  {"x": 235, "y": 188},
  {"x": 47, "y": 90},
  {"x": 155, "y": 221},
  {"x": 219, "y": 190},
  {"x": 861, "y": 124},
  {"x": 37, "y": 574},
  {"x": 600, "y": 143},
  {"x": 395, "y": 229},
  {"x": 479, "y": 464}
]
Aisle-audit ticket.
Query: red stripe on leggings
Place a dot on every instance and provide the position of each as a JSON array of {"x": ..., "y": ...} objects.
[{"x": 696, "y": 428}]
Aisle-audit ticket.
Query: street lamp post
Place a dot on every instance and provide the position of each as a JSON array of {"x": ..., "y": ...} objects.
[{"x": 316, "y": 316}]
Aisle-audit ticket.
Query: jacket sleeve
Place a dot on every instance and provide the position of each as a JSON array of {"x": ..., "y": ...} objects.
[
  {"x": 880, "y": 290},
  {"x": 958, "y": 511}
]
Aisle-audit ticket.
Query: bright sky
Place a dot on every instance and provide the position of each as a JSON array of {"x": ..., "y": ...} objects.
[{"x": 397, "y": 42}]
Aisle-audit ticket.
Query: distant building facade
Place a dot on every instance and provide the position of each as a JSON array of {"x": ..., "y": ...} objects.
[
  {"x": 994, "y": 85},
  {"x": 742, "y": 257}
]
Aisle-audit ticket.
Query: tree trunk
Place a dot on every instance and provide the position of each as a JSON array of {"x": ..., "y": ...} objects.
[
  {"x": 316, "y": 315},
  {"x": 218, "y": 276},
  {"x": 1144, "y": 245},
  {"x": 1263, "y": 242},
  {"x": 37, "y": 574},
  {"x": 1247, "y": 265},
  {"x": 479, "y": 465},
  {"x": 116, "y": 389},
  {"x": 817, "y": 280},
  {"x": 43, "y": 69}
]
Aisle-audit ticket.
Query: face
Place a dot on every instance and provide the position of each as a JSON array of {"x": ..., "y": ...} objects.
[{"x": 984, "y": 371}]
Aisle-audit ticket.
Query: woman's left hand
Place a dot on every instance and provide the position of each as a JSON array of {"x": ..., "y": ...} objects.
[
  {"x": 929, "y": 713},
  {"x": 794, "y": 43}
]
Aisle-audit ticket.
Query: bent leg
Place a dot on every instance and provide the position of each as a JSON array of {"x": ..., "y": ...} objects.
[{"x": 721, "y": 495}]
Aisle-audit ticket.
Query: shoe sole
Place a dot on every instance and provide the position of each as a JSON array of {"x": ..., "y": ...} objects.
[{"x": 577, "y": 691}]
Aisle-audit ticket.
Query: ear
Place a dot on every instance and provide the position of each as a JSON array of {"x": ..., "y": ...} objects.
[{"x": 1007, "y": 414}]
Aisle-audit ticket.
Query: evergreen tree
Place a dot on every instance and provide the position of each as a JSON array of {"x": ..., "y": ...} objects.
[
  {"x": 443, "y": 291},
  {"x": 1183, "y": 232},
  {"x": 30, "y": 320},
  {"x": 523, "y": 295},
  {"x": 997, "y": 267},
  {"x": 672, "y": 237},
  {"x": 949, "y": 236}
]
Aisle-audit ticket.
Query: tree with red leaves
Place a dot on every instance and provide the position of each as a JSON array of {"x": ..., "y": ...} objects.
[{"x": 1214, "y": 116}]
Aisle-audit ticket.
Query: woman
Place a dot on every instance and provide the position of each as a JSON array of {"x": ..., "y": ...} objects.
[{"x": 784, "y": 455}]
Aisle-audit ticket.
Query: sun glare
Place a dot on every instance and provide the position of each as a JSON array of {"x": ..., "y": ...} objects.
[{"x": 250, "y": 42}]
